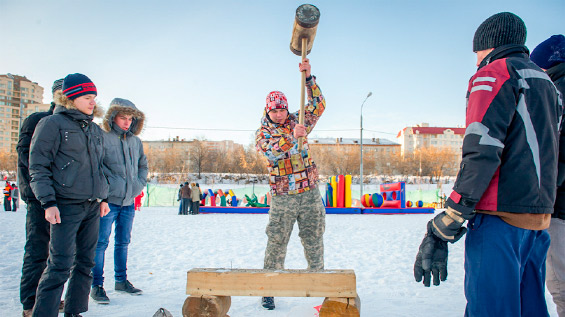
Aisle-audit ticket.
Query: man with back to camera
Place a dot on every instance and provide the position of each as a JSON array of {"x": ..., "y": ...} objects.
[{"x": 506, "y": 184}]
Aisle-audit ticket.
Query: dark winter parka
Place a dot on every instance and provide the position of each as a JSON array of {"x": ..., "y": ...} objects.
[
  {"x": 65, "y": 161},
  {"x": 510, "y": 146},
  {"x": 185, "y": 192},
  {"x": 557, "y": 74},
  {"x": 125, "y": 163},
  {"x": 26, "y": 132}
]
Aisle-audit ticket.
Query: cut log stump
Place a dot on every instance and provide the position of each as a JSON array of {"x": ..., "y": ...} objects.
[
  {"x": 340, "y": 307},
  {"x": 206, "y": 306}
]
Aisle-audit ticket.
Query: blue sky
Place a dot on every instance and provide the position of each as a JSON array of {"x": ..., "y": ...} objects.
[{"x": 199, "y": 68}]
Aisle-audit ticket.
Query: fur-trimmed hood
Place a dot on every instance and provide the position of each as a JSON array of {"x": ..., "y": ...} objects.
[
  {"x": 119, "y": 105},
  {"x": 60, "y": 99}
]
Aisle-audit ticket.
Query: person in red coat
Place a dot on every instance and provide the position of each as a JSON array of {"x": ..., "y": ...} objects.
[{"x": 137, "y": 201}]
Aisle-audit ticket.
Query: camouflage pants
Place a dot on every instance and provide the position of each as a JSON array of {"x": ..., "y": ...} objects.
[{"x": 308, "y": 210}]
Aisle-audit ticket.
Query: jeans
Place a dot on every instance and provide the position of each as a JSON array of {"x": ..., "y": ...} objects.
[
  {"x": 186, "y": 203},
  {"x": 123, "y": 217},
  {"x": 504, "y": 269}
]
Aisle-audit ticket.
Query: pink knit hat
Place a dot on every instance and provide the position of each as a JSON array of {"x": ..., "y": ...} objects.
[{"x": 276, "y": 100}]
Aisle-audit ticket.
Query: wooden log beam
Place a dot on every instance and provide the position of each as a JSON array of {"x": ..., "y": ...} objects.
[
  {"x": 278, "y": 283},
  {"x": 206, "y": 306},
  {"x": 341, "y": 307}
]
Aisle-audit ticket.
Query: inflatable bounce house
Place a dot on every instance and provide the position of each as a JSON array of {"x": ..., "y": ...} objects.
[{"x": 392, "y": 200}]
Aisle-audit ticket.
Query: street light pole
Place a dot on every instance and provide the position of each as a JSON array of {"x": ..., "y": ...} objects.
[{"x": 361, "y": 166}]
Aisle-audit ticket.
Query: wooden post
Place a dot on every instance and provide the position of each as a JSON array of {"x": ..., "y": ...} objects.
[
  {"x": 302, "y": 92},
  {"x": 206, "y": 306},
  {"x": 340, "y": 307}
]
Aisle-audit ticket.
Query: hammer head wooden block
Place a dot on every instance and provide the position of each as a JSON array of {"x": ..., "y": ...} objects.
[{"x": 305, "y": 26}]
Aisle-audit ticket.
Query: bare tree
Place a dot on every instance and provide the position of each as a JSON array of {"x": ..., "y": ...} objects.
[
  {"x": 8, "y": 161},
  {"x": 199, "y": 154}
]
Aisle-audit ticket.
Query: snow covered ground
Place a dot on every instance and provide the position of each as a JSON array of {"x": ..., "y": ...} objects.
[{"x": 380, "y": 248}]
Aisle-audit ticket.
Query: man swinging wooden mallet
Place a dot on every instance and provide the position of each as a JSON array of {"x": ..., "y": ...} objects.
[{"x": 293, "y": 175}]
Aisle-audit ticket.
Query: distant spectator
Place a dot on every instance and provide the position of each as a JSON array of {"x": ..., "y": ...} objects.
[
  {"x": 186, "y": 198},
  {"x": 195, "y": 194},
  {"x": 137, "y": 202},
  {"x": 179, "y": 199},
  {"x": 15, "y": 197},
  {"x": 8, "y": 197}
]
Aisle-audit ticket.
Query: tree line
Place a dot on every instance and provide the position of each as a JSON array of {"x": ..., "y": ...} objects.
[{"x": 331, "y": 160}]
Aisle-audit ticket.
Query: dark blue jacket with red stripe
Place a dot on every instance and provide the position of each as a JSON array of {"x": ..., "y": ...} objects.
[{"x": 510, "y": 146}]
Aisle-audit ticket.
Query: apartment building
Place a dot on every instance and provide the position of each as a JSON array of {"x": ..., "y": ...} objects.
[
  {"x": 422, "y": 135},
  {"x": 370, "y": 145},
  {"x": 19, "y": 97}
]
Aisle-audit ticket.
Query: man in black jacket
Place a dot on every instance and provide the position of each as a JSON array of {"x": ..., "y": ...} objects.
[
  {"x": 65, "y": 165},
  {"x": 506, "y": 184},
  {"x": 37, "y": 228},
  {"x": 550, "y": 56}
]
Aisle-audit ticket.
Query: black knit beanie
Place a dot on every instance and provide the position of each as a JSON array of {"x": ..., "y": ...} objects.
[
  {"x": 76, "y": 85},
  {"x": 500, "y": 29},
  {"x": 57, "y": 85}
]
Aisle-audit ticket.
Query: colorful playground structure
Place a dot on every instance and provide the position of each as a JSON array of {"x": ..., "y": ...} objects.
[
  {"x": 390, "y": 200},
  {"x": 338, "y": 200}
]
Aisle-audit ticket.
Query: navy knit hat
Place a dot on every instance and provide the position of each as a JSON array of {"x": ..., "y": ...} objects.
[
  {"x": 57, "y": 85},
  {"x": 549, "y": 52},
  {"x": 76, "y": 85},
  {"x": 500, "y": 29}
]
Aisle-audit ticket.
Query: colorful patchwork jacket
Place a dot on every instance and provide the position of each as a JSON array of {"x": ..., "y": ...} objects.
[{"x": 291, "y": 172}]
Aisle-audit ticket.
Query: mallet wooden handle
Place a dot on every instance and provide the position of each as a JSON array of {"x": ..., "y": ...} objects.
[{"x": 302, "y": 93}]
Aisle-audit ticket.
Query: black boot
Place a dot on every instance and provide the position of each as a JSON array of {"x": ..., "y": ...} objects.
[{"x": 268, "y": 303}]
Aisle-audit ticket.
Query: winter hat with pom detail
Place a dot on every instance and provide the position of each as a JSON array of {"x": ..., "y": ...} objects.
[
  {"x": 76, "y": 85},
  {"x": 276, "y": 100},
  {"x": 500, "y": 29},
  {"x": 549, "y": 52}
]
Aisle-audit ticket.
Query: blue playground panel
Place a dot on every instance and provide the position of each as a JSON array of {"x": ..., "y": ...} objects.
[
  {"x": 397, "y": 211},
  {"x": 233, "y": 210},
  {"x": 329, "y": 210},
  {"x": 343, "y": 210}
]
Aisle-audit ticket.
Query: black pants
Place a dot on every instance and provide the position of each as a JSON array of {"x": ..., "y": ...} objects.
[
  {"x": 36, "y": 252},
  {"x": 73, "y": 246},
  {"x": 195, "y": 207},
  {"x": 7, "y": 203},
  {"x": 186, "y": 203},
  {"x": 14, "y": 204}
]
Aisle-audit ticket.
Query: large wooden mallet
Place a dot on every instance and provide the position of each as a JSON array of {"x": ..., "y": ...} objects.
[{"x": 303, "y": 33}]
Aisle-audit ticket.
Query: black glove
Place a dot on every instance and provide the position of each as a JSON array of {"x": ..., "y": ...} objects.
[{"x": 431, "y": 259}]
